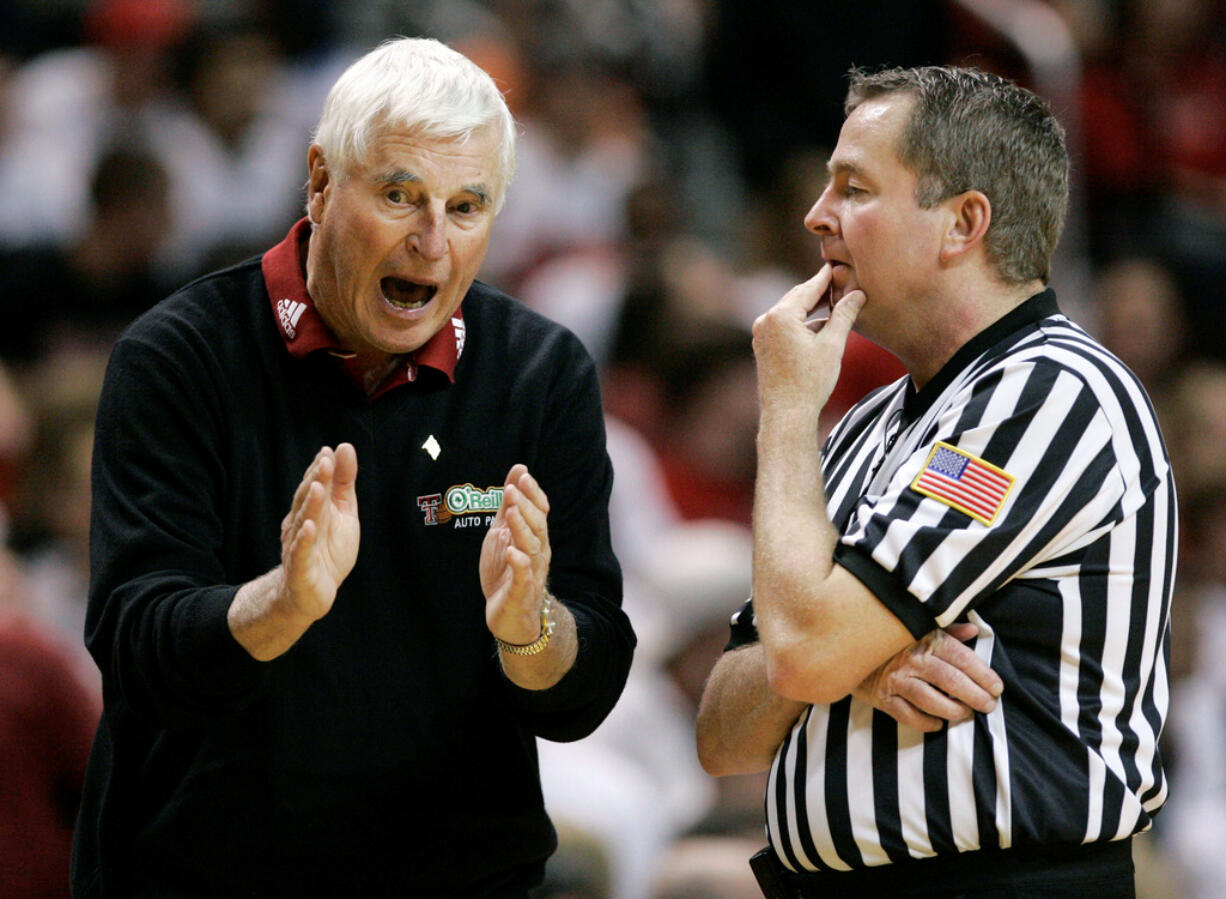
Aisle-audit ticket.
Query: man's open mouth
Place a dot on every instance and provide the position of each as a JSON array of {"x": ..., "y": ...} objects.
[{"x": 407, "y": 294}]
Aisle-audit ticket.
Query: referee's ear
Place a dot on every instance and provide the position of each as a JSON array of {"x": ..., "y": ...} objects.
[{"x": 968, "y": 225}]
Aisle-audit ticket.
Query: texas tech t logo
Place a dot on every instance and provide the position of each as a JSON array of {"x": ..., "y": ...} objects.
[{"x": 429, "y": 505}]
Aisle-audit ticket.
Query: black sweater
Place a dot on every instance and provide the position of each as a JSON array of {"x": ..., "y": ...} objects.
[{"x": 385, "y": 753}]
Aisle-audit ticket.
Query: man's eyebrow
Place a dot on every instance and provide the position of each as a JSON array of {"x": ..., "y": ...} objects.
[
  {"x": 397, "y": 177},
  {"x": 480, "y": 191},
  {"x": 844, "y": 167}
]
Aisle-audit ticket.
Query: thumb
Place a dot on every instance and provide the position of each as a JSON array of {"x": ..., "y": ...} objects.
[
  {"x": 844, "y": 314},
  {"x": 346, "y": 471}
]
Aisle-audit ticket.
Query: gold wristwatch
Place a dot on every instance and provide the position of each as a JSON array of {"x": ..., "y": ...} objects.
[{"x": 539, "y": 644}]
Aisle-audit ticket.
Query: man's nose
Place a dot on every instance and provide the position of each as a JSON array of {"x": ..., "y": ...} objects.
[
  {"x": 820, "y": 219},
  {"x": 428, "y": 238}
]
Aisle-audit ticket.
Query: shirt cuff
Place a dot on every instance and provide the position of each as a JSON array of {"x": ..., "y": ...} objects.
[{"x": 219, "y": 665}]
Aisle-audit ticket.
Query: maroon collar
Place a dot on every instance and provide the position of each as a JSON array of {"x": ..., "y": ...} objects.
[{"x": 304, "y": 332}]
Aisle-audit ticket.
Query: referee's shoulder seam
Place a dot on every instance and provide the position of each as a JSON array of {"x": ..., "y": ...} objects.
[{"x": 1086, "y": 349}]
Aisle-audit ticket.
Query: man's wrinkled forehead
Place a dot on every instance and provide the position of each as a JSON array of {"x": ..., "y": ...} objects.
[{"x": 369, "y": 167}]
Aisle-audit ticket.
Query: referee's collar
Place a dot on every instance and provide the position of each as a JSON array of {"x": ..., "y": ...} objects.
[{"x": 1029, "y": 313}]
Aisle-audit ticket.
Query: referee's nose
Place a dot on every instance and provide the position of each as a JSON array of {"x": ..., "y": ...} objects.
[{"x": 821, "y": 219}]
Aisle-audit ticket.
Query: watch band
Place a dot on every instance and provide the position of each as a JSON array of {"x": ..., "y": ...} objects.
[{"x": 538, "y": 645}]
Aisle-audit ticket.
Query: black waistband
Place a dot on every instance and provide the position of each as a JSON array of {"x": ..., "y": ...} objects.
[{"x": 1107, "y": 864}]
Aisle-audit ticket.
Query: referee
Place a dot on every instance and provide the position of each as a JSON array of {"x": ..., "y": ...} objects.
[{"x": 1014, "y": 487}]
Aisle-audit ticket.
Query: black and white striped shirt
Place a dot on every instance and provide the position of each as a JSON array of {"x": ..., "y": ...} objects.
[{"x": 1063, "y": 554}]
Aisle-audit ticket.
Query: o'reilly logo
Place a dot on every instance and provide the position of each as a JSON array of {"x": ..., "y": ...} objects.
[
  {"x": 465, "y": 499},
  {"x": 458, "y": 501}
]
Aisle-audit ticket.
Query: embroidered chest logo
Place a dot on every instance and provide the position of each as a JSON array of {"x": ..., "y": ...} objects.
[
  {"x": 429, "y": 505},
  {"x": 964, "y": 482},
  {"x": 288, "y": 312},
  {"x": 465, "y": 504}
]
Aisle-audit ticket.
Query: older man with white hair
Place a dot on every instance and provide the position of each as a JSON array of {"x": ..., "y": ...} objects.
[{"x": 298, "y": 703}]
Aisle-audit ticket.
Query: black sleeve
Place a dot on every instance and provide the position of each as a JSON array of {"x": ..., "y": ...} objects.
[
  {"x": 574, "y": 469},
  {"x": 743, "y": 628},
  {"x": 156, "y": 623}
]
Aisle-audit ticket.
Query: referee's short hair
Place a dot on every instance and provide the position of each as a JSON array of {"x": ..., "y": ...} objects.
[{"x": 972, "y": 130}]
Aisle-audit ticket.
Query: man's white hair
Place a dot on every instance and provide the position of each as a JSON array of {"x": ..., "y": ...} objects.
[{"x": 423, "y": 86}]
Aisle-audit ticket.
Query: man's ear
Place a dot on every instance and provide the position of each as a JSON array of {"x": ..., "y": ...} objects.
[
  {"x": 317, "y": 185},
  {"x": 968, "y": 227}
]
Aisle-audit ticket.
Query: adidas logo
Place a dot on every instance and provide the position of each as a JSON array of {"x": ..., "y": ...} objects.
[{"x": 289, "y": 311}]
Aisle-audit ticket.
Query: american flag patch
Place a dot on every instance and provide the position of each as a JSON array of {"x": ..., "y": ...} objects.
[{"x": 964, "y": 482}]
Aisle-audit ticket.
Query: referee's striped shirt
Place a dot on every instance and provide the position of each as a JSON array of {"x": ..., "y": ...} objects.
[{"x": 1063, "y": 555}]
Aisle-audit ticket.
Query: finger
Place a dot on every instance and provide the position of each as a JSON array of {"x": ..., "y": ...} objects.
[
  {"x": 297, "y": 515},
  {"x": 534, "y": 515},
  {"x": 317, "y": 491},
  {"x": 947, "y": 665},
  {"x": 844, "y": 314},
  {"x": 315, "y": 504},
  {"x": 319, "y": 472},
  {"x": 298, "y": 555},
  {"x": 905, "y": 713},
  {"x": 531, "y": 489},
  {"x": 524, "y": 537},
  {"x": 934, "y": 702},
  {"x": 325, "y": 468},
  {"x": 519, "y": 561},
  {"x": 958, "y": 686},
  {"x": 969, "y": 675},
  {"x": 494, "y": 546},
  {"x": 805, "y": 296},
  {"x": 512, "y": 476},
  {"x": 513, "y": 610},
  {"x": 502, "y": 539},
  {"x": 308, "y": 478},
  {"x": 519, "y": 564}
]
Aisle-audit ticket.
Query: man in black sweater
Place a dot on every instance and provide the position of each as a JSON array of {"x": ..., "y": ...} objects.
[{"x": 296, "y": 703}]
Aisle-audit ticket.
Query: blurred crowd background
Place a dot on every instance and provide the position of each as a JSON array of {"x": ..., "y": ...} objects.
[{"x": 669, "y": 150}]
